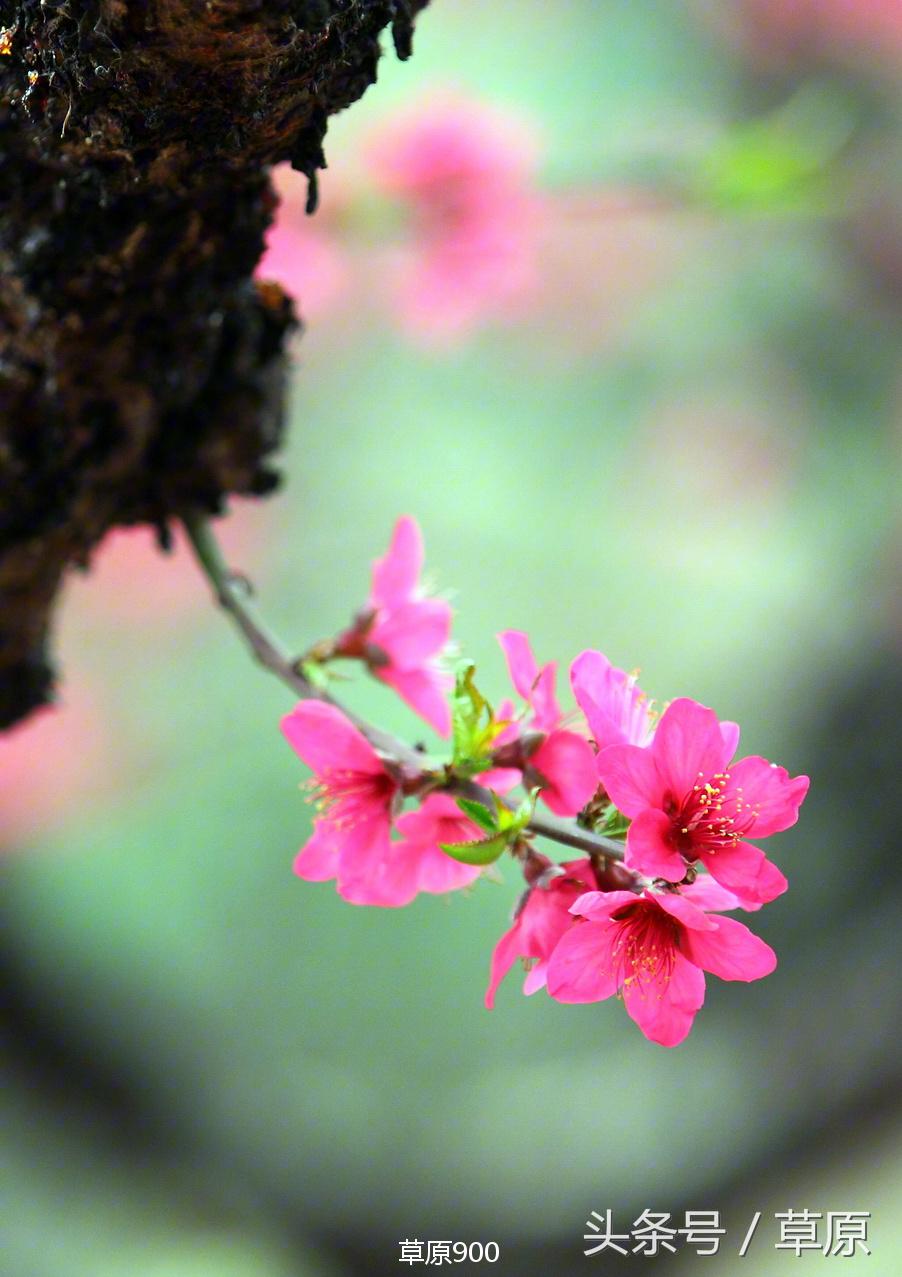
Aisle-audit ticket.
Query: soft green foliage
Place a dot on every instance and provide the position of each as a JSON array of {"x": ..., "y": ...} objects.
[{"x": 786, "y": 161}]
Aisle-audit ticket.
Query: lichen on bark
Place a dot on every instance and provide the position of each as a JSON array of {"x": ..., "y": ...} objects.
[{"x": 141, "y": 367}]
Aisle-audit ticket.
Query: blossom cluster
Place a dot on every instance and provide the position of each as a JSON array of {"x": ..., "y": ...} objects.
[
  {"x": 452, "y": 187},
  {"x": 653, "y": 797}
]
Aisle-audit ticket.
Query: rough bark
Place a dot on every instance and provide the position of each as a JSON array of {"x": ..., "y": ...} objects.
[{"x": 141, "y": 369}]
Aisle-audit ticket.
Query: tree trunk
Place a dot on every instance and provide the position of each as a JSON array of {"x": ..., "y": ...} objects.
[{"x": 141, "y": 368}]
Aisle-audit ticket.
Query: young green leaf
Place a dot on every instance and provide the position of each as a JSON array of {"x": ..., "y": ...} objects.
[
  {"x": 474, "y": 727},
  {"x": 615, "y": 824},
  {"x": 479, "y": 814},
  {"x": 315, "y": 673},
  {"x": 484, "y": 851},
  {"x": 512, "y": 821}
]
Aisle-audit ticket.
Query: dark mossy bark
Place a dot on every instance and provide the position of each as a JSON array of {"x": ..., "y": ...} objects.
[{"x": 141, "y": 368}]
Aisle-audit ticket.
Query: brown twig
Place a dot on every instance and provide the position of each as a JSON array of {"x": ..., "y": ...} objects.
[{"x": 230, "y": 593}]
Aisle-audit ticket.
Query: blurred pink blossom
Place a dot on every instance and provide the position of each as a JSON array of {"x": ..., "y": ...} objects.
[
  {"x": 785, "y": 30},
  {"x": 466, "y": 174},
  {"x": 50, "y": 765},
  {"x": 132, "y": 579},
  {"x": 304, "y": 254}
]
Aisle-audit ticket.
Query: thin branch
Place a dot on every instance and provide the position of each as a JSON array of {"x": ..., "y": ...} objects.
[
  {"x": 231, "y": 593},
  {"x": 572, "y": 835}
]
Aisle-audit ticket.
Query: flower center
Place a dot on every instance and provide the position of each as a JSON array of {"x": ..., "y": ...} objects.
[
  {"x": 345, "y": 797},
  {"x": 712, "y": 817},
  {"x": 645, "y": 945}
]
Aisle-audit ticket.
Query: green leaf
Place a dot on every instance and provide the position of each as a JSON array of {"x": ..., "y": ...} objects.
[
  {"x": 513, "y": 820},
  {"x": 315, "y": 673},
  {"x": 485, "y": 851},
  {"x": 616, "y": 824},
  {"x": 479, "y": 814},
  {"x": 464, "y": 709},
  {"x": 474, "y": 725}
]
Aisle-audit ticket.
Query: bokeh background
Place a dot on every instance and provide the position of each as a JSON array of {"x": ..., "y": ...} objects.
[{"x": 655, "y": 410}]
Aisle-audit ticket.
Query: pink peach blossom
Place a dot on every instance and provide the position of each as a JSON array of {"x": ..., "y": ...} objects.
[
  {"x": 451, "y": 150},
  {"x": 471, "y": 274},
  {"x": 654, "y": 949},
  {"x": 687, "y": 802},
  {"x": 535, "y": 686},
  {"x": 402, "y": 633},
  {"x": 419, "y": 858},
  {"x": 466, "y": 174},
  {"x": 616, "y": 708},
  {"x": 542, "y": 918},
  {"x": 562, "y": 762},
  {"x": 351, "y": 838}
]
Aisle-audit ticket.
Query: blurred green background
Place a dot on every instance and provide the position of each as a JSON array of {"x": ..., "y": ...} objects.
[{"x": 685, "y": 452}]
